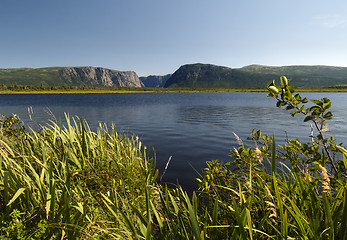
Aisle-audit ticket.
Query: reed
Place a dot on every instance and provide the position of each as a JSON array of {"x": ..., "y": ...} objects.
[{"x": 55, "y": 176}]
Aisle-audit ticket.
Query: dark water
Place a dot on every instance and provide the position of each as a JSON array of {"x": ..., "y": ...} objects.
[{"x": 192, "y": 127}]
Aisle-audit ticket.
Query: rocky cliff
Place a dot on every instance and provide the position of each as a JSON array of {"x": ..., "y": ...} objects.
[
  {"x": 96, "y": 76},
  {"x": 70, "y": 76}
]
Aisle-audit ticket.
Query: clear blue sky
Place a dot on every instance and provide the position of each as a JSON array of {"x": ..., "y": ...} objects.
[{"x": 158, "y": 36}]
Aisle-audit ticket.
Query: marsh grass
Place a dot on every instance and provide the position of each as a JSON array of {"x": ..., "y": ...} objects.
[{"x": 59, "y": 174}]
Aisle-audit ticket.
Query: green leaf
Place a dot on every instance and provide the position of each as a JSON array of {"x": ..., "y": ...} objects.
[
  {"x": 328, "y": 217},
  {"x": 281, "y": 103},
  {"x": 289, "y": 107},
  {"x": 328, "y": 116},
  {"x": 192, "y": 216},
  {"x": 308, "y": 118},
  {"x": 18, "y": 193},
  {"x": 344, "y": 151},
  {"x": 6, "y": 187},
  {"x": 297, "y": 97},
  {"x": 315, "y": 101},
  {"x": 215, "y": 213},
  {"x": 249, "y": 223},
  {"x": 343, "y": 230},
  {"x": 160, "y": 222},
  {"x": 273, "y": 90},
  {"x": 148, "y": 231},
  {"x": 314, "y": 108},
  {"x": 291, "y": 89},
  {"x": 273, "y": 157},
  {"x": 270, "y": 83},
  {"x": 287, "y": 95},
  {"x": 327, "y": 105},
  {"x": 284, "y": 81}
]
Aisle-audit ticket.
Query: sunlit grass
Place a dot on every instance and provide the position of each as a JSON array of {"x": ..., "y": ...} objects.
[{"x": 58, "y": 175}]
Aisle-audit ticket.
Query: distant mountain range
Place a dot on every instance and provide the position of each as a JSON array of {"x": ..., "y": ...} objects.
[
  {"x": 255, "y": 76},
  {"x": 191, "y": 75}
]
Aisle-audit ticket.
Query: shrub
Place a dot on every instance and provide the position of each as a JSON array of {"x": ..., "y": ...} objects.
[{"x": 293, "y": 191}]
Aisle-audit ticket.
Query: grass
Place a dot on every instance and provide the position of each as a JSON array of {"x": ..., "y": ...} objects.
[
  {"x": 69, "y": 182},
  {"x": 56, "y": 177}
]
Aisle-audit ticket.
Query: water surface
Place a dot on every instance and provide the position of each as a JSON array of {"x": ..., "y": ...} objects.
[{"x": 191, "y": 127}]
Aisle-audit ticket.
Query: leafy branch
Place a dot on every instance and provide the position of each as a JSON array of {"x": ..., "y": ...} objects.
[{"x": 318, "y": 114}]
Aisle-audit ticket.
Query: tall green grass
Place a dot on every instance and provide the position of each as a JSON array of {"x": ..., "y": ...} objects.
[{"x": 56, "y": 177}]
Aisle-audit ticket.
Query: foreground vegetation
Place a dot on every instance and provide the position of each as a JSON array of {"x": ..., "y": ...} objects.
[{"x": 68, "y": 182}]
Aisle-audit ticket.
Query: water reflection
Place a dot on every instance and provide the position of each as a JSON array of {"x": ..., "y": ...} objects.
[{"x": 219, "y": 115}]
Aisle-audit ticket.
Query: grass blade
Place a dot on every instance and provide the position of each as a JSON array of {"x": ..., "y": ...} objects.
[
  {"x": 16, "y": 195},
  {"x": 273, "y": 155}
]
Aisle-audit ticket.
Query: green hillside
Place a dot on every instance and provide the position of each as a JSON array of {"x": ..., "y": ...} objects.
[
  {"x": 315, "y": 70},
  {"x": 255, "y": 76},
  {"x": 207, "y": 75},
  {"x": 31, "y": 76}
]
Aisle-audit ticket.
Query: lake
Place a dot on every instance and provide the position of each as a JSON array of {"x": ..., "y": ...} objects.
[{"x": 191, "y": 127}]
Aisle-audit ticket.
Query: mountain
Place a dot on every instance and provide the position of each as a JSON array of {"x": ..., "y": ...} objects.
[
  {"x": 255, "y": 76},
  {"x": 190, "y": 75},
  {"x": 70, "y": 76},
  {"x": 207, "y": 75},
  {"x": 155, "y": 81}
]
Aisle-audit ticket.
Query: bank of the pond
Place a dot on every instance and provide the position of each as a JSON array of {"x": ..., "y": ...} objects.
[
  {"x": 159, "y": 90},
  {"x": 131, "y": 90}
]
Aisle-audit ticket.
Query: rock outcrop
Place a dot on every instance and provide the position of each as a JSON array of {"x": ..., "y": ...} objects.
[{"x": 97, "y": 76}]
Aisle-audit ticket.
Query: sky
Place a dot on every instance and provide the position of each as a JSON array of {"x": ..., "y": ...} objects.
[{"x": 156, "y": 37}]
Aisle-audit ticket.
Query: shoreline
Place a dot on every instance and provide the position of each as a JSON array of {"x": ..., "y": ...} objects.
[{"x": 160, "y": 90}]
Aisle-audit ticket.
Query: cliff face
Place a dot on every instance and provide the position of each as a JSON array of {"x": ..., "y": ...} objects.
[
  {"x": 96, "y": 76},
  {"x": 155, "y": 81}
]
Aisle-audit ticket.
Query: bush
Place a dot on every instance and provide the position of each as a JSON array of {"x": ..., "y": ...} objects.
[{"x": 293, "y": 191}]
